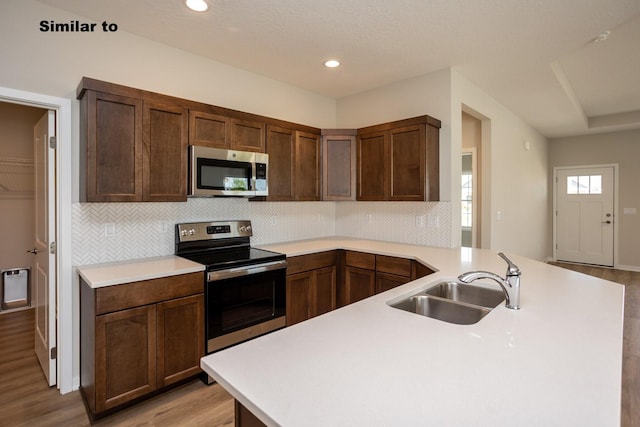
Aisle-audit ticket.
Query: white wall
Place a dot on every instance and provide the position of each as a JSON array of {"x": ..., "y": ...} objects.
[{"x": 515, "y": 179}]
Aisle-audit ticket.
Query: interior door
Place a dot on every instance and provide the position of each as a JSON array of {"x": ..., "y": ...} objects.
[
  {"x": 44, "y": 250},
  {"x": 585, "y": 215}
]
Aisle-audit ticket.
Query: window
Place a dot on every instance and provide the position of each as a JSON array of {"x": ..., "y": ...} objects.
[
  {"x": 467, "y": 200},
  {"x": 584, "y": 184}
]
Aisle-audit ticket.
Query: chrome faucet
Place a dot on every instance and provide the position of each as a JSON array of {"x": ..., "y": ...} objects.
[{"x": 510, "y": 284}]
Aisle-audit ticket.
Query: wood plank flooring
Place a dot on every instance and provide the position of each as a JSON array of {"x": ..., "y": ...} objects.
[{"x": 26, "y": 400}]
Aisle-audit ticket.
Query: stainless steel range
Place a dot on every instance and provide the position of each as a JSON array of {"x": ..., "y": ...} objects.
[{"x": 245, "y": 287}]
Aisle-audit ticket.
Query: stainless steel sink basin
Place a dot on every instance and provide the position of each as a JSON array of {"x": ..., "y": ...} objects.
[
  {"x": 476, "y": 295},
  {"x": 441, "y": 309},
  {"x": 451, "y": 302}
]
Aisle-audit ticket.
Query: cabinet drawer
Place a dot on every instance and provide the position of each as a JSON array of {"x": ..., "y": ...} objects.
[
  {"x": 298, "y": 264},
  {"x": 120, "y": 297},
  {"x": 393, "y": 265},
  {"x": 360, "y": 260}
]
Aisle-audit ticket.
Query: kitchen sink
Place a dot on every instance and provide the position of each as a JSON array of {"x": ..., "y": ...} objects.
[
  {"x": 451, "y": 302},
  {"x": 462, "y": 292}
]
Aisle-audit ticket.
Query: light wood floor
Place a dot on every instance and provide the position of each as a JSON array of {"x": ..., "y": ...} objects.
[{"x": 25, "y": 399}]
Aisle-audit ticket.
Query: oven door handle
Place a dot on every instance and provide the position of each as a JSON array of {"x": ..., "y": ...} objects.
[{"x": 245, "y": 271}]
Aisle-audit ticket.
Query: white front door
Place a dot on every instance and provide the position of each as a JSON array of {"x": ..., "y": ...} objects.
[
  {"x": 585, "y": 215},
  {"x": 45, "y": 259}
]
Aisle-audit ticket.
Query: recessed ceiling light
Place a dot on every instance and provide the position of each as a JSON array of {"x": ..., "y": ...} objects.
[
  {"x": 197, "y": 5},
  {"x": 332, "y": 63}
]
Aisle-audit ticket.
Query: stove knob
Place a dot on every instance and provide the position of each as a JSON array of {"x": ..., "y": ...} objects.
[
  {"x": 183, "y": 233},
  {"x": 243, "y": 228},
  {"x": 192, "y": 232},
  {"x": 248, "y": 228}
]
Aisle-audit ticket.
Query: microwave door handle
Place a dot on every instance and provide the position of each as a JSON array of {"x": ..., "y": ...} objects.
[{"x": 245, "y": 271}]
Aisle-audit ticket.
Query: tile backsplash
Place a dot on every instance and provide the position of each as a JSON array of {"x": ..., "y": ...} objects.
[{"x": 105, "y": 232}]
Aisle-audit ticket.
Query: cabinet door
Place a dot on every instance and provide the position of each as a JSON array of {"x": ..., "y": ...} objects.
[
  {"x": 386, "y": 281},
  {"x": 359, "y": 284},
  {"x": 280, "y": 147},
  {"x": 165, "y": 153},
  {"x": 180, "y": 338},
  {"x": 113, "y": 138},
  {"x": 247, "y": 136},
  {"x": 209, "y": 130},
  {"x": 125, "y": 356},
  {"x": 299, "y": 297},
  {"x": 306, "y": 182},
  {"x": 373, "y": 166},
  {"x": 407, "y": 147},
  {"x": 323, "y": 291},
  {"x": 338, "y": 167}
]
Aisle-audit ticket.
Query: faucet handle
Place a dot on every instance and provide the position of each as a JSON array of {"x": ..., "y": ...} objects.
[{"x": 512, "y": 269}]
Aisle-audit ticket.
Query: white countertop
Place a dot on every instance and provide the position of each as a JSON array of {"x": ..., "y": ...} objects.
[
  {"x": 116, "y": 273},
  {"x": 557, "y": 361}
]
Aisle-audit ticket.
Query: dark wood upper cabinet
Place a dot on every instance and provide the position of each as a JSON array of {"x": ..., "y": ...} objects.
[
  {"x": 307, "y": 167},
  {"x": 209, "y": 130},
  {"x": 281, "y": 150},
  {"x": 216, "y": 131},
  {"x": 132, "y": 150},
  {"x": 111, "y": 139},
  {"x": 373, "y": 166},
  {"x": 338, "y": 164},
  {"x": 294, "y": 164},
  {"x": 165, "y": 153},
  {"x": 399, "y": 161},
  {"x": 133, "y": 147}
]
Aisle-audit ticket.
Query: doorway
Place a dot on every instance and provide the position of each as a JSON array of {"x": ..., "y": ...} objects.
[
  {"x": 63, "y": 293},
  {"x": 585, "y": 214},
  {"x": 24, "y": 197},
  {"x": 470, "y": 190}
]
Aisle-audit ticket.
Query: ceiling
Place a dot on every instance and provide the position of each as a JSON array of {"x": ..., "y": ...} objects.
[{"x": 536, "y": 57}]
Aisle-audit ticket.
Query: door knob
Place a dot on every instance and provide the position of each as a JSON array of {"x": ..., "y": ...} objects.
[
  {"x": 34, "y": 251},
  {"x": 606, "y": 222}
]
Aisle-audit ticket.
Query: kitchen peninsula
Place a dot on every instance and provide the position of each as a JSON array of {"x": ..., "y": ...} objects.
[{"x": 556, "y": 361}]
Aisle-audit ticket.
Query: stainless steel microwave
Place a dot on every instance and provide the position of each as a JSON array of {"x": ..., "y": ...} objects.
[{"x": 220, "y": 172}]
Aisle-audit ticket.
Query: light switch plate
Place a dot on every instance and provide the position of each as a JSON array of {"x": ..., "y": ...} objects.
[{"x": 629, "y": 211}]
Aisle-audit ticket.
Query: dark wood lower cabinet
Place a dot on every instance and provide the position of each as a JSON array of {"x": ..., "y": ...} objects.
[
  {"x": 245, "y": 418},
  {"x": 138, "y": 338},
  {"x": 359, "y": 283},
  {"x": 311, "y": 289},
  {"x": 386, "y": 281},
  {"x": 180, "y": 339}
]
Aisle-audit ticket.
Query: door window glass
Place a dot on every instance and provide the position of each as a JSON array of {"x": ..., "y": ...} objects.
[{"x": 584, "y": 184}]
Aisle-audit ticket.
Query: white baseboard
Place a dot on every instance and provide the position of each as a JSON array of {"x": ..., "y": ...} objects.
[{"x": 627, "y": 267}]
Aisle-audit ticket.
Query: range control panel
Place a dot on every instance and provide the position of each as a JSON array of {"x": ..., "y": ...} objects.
[{"x": 193, "y": 231}]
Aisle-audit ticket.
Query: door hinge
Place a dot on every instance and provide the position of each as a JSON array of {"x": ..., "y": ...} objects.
[
  {"x": 52, "y": 142},
  {"x": 52, "y": 248},
  {"x": 54, "y": 353}
]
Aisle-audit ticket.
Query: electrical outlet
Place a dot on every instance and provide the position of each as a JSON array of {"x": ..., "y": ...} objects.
[
  {"x": 421, "y": 221},
  {"x": 433, "y": 221},
  {"x": 163, "y": 227},
  {"x": 369, "y": 218},
  {"x": 109, "y": 229}
]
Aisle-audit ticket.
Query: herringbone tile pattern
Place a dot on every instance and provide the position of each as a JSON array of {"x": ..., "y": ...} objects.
[{"x": 142, "y": 230}]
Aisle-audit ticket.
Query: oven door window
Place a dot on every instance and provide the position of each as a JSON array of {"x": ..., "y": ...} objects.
[
  {"x": 240, "y": 302},
  {"x": 228, "y": 175}
]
